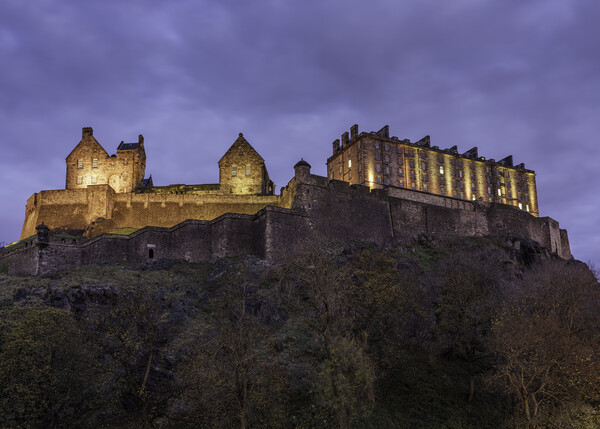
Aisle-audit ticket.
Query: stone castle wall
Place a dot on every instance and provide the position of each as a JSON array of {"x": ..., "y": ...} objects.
[{"x": 312, "y": 209}]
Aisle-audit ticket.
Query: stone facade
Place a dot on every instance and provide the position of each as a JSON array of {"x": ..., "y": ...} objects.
[
  {"x": 112, "y": 190},
  {"x": 377, "y": 160},
  {"x": 241, "y": 215}
]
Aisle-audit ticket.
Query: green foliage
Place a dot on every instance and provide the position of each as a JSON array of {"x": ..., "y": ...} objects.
[{"x": 419, "y": 336}]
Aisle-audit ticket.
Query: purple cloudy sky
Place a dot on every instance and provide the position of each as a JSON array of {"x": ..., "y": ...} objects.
[{"x": 511, "y": 77}]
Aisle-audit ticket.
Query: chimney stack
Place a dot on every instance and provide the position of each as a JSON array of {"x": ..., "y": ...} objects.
[
  {"x": 87, "y": 131},
  {"x": 345, "y": 139},
  {"x": 353, "y": 132},
  {"x": 141, "y": 139}
]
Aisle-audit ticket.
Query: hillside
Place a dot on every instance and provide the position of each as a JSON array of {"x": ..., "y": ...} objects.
[{"x": 443, "y": 333}]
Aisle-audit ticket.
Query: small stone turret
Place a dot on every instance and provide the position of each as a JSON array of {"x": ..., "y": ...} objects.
[
  {"x": 43, "y": 238},
  {"x": 302, "y": 170}
]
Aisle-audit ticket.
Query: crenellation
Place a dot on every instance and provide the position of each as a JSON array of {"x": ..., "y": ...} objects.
[{"x": 377, "y": 189}]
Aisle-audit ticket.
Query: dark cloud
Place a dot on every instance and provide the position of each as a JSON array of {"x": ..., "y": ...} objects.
[{"x": 511, "y": 77}]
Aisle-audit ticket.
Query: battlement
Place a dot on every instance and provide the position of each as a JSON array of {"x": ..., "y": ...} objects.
[{"x": 242, "y": 215}]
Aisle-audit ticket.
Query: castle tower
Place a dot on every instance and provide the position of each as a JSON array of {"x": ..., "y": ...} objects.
[
  {"x": 242, "y": 171},
  {"x": 89, "y": 164}
]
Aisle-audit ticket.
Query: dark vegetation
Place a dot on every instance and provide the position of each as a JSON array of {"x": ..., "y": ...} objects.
[{"x": 453, "y": 333}]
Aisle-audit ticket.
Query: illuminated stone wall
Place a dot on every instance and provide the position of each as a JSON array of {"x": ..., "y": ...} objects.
[
  {"x": 89, "y": 164},
  {"x": 377, "y": 160}
]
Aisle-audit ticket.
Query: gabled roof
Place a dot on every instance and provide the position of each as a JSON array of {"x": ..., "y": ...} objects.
[
  {"x": 88, "y": 140},
  {"x": 240, "y": 146}
]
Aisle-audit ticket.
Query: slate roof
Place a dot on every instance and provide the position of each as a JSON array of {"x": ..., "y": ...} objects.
[{"x": 128, "y": 146}]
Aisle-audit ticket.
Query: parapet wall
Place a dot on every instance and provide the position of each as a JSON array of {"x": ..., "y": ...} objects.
[
  {"x": 312, "y": 209},
  {"x": 76, "y": 209}
]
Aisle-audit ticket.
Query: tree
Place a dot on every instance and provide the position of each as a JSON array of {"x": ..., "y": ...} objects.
[
  {"x": 345, "y": 381},
  {"x": 43, "y": 369},
  {"x": 547, "y": 339}
]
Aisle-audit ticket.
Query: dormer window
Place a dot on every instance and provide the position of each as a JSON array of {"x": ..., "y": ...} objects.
[
  {"x": 95, "y": 163},
  {"x": 233, "y": 170},
  {"x": 80, "y": 164}
]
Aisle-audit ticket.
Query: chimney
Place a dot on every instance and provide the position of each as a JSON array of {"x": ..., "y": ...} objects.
[
  {"x": 345, "y": 139},
  {"x": 336, "y": 146},
  {"x": 87, "y": 131},
  {"x": 141, "y": 139},
  {"x": 353, "y": 132},
  {"x": 384, "y": 132}
]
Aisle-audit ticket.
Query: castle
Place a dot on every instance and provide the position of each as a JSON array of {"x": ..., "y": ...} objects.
[{"x": 378, "y": 189}]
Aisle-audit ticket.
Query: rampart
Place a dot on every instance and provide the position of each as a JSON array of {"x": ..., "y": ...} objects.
[{"x": 310, "y": 209}]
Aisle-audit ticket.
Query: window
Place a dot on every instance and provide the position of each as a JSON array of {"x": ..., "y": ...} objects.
[
  {"x": 454, "y": 194},
  {"x": 462, "y": 195},
  {"x": 473, "y": 187},
  {"x": 349, "y": 175},
  {"x": 425, "y": 187},
  {"x": 376, "y": 145},
  {"x": 349, "y": 163},
  {"x": 402, "y": 183},
  {"x": 386, "y": 146},
  {"x": 359, "y": 168},
  {"x": 499, "y": 193},
  {"x": 521, "y": 206},
  {"x": 80, "y": 164},
  {"x": 526, "y": 187},
  {"x": 399, "y": 149},
  {"x": 358, "y": 145},
  {"x": 472, "y": 166},
  {"x": 488, "y": 169},
  {"x": 489, "y": 190},
  {"x": 527, "y": 207},
  {"x": 79, "y": 180},
  {"x": 386, "y": 158},
  {"x": 440, "y": 159},
  {"x": 151, "y": 253},
  {"x": 94, "y": 179},
  {"x": 387, "y": 181},
  {"x": 451, "y": 161},
  {"x": 359, "y": 156},
  {"x": 379, "y": 180},
  {"x": 412, "y": 163},
  {"x": 377, "y": 157},
  {"x": 509, "y": 194},
  {"x": 341, "y": 170},
  {"x": 400, "y": 172},
  {"x": 94, "y": 163},
  {"x": 508, "y": 174},
  {"x": 454, "y": 184},
  {"x": 441, "y": 169},
  {"x": 460, "y": 173},
  {"x": 443, "y": 191},
  {"x": 453, "y": 172},
  {"x": 412, "y": 175},
  {"x": 472, "y": 176},
  {"x": 474, "y": 197},
  {"x": 400, "y": 160},
  {"x": 413, "y": 186},
  {"x": 460, "y": 163},
  {"x": 248, "y": 170},
  {"x": 423, "y": 155},
  {"x": 233, "y": 170},
  {"x": 424, "y": 177},
  {"x": 378, "y": 168},
  {"x": 423, "y": 165},
  {"x": 411, "y": 152},
  {"x": 442, "y": 181}
]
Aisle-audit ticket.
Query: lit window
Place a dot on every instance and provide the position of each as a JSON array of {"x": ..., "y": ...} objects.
[
  {"x": 80, "y": 164},
  {"x": 441, "y": 169},
  {"x": 521, "y": 206},
  {"x": 248, "y": 170},
  {"x": 400, "y": 172},
  {"x": 527, "y": 207},
  {"x": 79, "y": 180},
  {"x": 499, "y": 193},
  {"x": 233, "y": 170},
  {"x": 94, "y": 163},
  {"x": 349, "y": 163},
  {"x": 94, "y": 179},
  {"x": 474, "y": 197}
]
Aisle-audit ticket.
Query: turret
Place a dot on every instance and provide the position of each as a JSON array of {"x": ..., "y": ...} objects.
[{"x": 302, "y": 170}]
